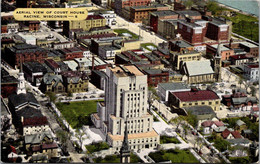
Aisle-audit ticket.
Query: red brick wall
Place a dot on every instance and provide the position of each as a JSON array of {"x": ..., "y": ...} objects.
[
  {"x": 191, "y": 36},
  {"x": 73, "y": 55},
  {"x": 8, "y": 89},
  {"x": 159, "y": 78}
]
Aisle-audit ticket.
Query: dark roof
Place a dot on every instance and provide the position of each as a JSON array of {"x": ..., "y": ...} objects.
[
  {"x": 6, "y": 78},
  {"x": 35, "y": 67},
  {"x": 188, "y": 12},
  {"x": 174, "y": 86},
  {"x": 200, "y": 110},
  {"x": 26, "y": 48},
  {"x": 17, "y": 100},
  {"x": 181, "y": 43},
  {"x": 75, "y": 76},
  {"x": 239, "y": 57},
  {"x": 29, "y": 112},
  {"x": 236, "y": 134},
  {"x": 164, "y": 13},
  {"x": 35, "y": 121},
  {"x": 199, "y": 95},
  {"x": 4, "y": 108},
  {"x": 94, "y": 17},
  {"x": 48, "y": 79},
  {"x": 154, "y": 71}
]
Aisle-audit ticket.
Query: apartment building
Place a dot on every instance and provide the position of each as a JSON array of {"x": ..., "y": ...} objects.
[{"x": 126, "y": 101}]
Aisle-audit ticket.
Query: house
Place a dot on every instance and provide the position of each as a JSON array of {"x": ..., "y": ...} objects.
[
  {"x": 239, "y": 141},
  {"x": 52, "y": 83},
  {"x": 199, "y": 71},
  {"x": 228, "y": 134},
  {"x": 240, "y": 125},
  {"x": 41, "y": 143},
  {"x": 209, "y": 126},
  {"x": 246, "y": 133},
  {"x": 75, "y": 81},
  {"x": 219, "y": 130},
  {"x": 165, "y": 88}
]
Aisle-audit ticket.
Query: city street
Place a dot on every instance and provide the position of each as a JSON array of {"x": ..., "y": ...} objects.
[{"x": 146, "y": 36}]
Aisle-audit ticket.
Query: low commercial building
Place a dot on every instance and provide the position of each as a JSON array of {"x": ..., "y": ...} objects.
[
  {"x": 180, "y": 58},
  {"x": 8, "y": 83},
  {"x": 194, "y": 98},
  {"x": 108, "y": 52},
  {"x": 156, "y": 76},
  {"x": 180, "y": 46},
  {"x": 251, "y": 71},
  {"x": 34, "y": 71},
  {"x": 72, "y": 53},
  {"x": 22, "y": 53},
  {"x": 226, "y": 52},
  {"x": 90, "y": 22}
]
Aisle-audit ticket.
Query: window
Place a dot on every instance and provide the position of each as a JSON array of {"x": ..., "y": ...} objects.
[{"x": 216, "y": 102}]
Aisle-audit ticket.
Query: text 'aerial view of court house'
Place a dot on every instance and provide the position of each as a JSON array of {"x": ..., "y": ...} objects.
[{"x": 131, "y": 81}]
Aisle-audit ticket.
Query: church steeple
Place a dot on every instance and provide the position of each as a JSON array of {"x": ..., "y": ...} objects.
[
  {"x": 21, "y": 85},
  {"x": 218, "y": 64},
  {"x": 125, "y": 150}
]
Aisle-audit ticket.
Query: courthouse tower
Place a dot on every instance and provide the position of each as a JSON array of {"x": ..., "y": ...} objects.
[{"x": 126, "y": 97}]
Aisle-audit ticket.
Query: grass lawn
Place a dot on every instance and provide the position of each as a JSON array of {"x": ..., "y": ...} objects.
[
  {"x": 176, "y": 156},
  {"x": 121, "y": 31},
  {"x": 148, "y": 44},
  {"x": 242, "y": 160},
  {"x": 166, "y": 139},
  {"x": 94, "y": 147},
  {"x": 116, "y": 159},
  {"x": 78, "y": 113}
]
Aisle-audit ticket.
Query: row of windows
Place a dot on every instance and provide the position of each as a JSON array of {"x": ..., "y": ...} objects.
[{"x": 196, "y": 103}]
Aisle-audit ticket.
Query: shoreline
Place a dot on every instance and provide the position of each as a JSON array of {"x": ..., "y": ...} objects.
[{"x": 236, "y": 10}]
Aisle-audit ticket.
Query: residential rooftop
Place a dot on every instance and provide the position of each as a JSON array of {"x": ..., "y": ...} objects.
[{"x": 164, "y": 13}]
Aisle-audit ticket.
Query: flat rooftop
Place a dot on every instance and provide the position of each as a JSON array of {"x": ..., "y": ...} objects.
[
  {"x": 124, "y": 71},
  {"x": 248, "y": 44}
]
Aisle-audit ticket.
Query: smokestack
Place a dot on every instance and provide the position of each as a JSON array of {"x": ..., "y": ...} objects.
[{"x": 93, "y": 59}]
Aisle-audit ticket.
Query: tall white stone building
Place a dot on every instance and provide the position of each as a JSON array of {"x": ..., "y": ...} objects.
[{"x": 126, "y": 100}]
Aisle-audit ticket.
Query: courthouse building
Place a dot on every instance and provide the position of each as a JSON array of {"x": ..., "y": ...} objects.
[{"x": 126, "y": 100}]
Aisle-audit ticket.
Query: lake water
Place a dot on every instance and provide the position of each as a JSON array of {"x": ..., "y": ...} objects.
[{"x": 249, "y": 6}]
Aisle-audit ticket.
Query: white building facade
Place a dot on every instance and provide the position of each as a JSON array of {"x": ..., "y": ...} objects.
[{"x": 126, "y": 100}]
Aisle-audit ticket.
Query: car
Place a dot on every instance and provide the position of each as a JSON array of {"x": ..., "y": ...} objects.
[{"x": 78, "y": 97}]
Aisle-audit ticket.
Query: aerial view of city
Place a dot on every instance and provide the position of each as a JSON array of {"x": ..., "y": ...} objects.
[{"x": 131, "y": 81}]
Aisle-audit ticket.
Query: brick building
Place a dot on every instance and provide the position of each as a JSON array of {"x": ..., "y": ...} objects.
[
  {"x": 161, "y": 15},
  {"x": 191, "y": 32},
  {"x": 156, "y": 76},
  {"x": 24, "y": 53},
  {"x": 8, "y": 84},
  {"x": 139, "y": 13},
  {"x": 72, "y": 53},
  {"x": 226, "y": 52},
  {"x": 120, "y": 4},
  {"x": 90, "y": 22}
]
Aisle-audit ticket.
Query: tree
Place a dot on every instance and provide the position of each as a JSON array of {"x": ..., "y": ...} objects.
[
  {"x": 63, "y": 136},
  {"x": 212, "y": 6},
  {"x": 178, "y": 120},
  {"x": 79, "y": 135},
  {"x": 240, "y": 81},
  {"x": 52, "y": 96},
  {"x": 221, "y": 144},
  {"x": 185, "y": 130},
  {"x": 188, "y": 4},
  {"x": 192, "y": 120},
  {"x": 253, "y": 90},
  {"x": 5, "y": 123}
]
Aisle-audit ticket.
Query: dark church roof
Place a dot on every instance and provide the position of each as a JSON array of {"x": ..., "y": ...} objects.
[{"x": 19, "y": 100}]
